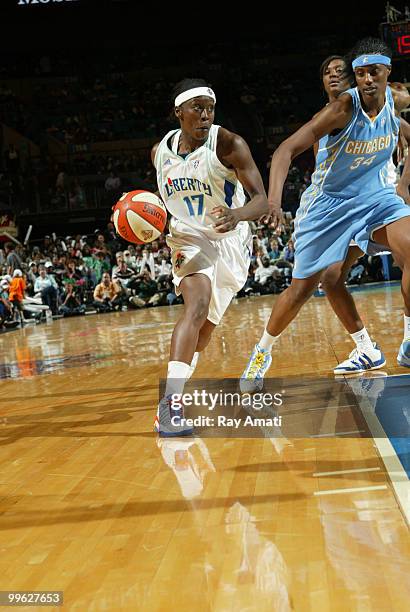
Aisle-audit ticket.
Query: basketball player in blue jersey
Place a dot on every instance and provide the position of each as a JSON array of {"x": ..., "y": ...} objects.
[
  {"x": 349, "y": 199},
  {"x": 336, "y": 79},
  {"x": 202, "y": 171}
]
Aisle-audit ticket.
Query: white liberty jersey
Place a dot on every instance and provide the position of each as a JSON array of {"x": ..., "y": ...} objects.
[{"x": 192, "y": 185}]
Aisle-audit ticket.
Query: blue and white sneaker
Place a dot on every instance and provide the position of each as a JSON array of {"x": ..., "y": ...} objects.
[
  {"x": 167, "y": 420},
  {"x": 403, "y": 358},
  {"x": 360, "y": 361},
  {"x": 258, "y": 364}
]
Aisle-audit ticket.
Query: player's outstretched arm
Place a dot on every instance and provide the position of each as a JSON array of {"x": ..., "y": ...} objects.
[
  {"x": 401, "y": 96},
  {"x": 335, "y": 115},
  {"x": 234, "y": 153}
]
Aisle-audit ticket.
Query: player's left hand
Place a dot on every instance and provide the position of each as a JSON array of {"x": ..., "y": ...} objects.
[
  {"x": 403, "y": 192},
  {"x": 274, "y": 217},
  {"x": 227, "y": 218}
]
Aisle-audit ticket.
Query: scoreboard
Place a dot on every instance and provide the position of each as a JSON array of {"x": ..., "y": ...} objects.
[{"x": 397, "y": 37}]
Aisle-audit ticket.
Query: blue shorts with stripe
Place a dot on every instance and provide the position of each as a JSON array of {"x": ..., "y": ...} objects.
[{"x": 325, "y": 225}]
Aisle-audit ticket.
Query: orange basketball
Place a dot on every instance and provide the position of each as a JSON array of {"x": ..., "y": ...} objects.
[{"x": 139, "y": 216}]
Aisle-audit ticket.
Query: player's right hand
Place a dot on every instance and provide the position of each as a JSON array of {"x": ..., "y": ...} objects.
[{"x": 227, "y": 218}]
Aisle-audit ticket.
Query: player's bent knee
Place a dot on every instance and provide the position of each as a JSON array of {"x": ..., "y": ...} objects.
[
  {"x": 331, "y": 280},
  {"x": 198, "y": 311},
  {"x": 301, "y": 292}
]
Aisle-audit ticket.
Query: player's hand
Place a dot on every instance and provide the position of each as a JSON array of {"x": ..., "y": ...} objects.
[
  {"x": 403, "y": 192},
  {"x": 226, "y": 218},
  {"x": 274, "y": 217},
  {"x": 398, "y": 86}
]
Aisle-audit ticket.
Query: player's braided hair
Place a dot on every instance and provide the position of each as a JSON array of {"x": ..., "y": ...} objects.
[{"x": 369, "y": 46}]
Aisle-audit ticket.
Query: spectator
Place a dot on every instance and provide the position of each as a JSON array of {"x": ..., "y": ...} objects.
[
  {"x": 16, "y": 294},
  {"x": 71, "y": 303},
  {"x": 289, "y": 252},
  {"x": 130, "y": 260},
  {"x": 99, "y": 244},
  {"x": 162, "y": 268},
  {"x": 72, "y": 272},
  {"x": 100, "y": 266},
  {"x": 126, "y": 278},
  {"x": 31, "y": 277},
  {"x": 110, "y": 233},
  {"x": 89, "y": 265},
  {"x": 47, "y": 286},
  {"x": 147, "y": 290},
  {"x": 165, "y": 292},
  {"x": 119, "y": 258},
  {"x": 107, "y": 294},
  {"x": 13, "y": 261},
  {"x": 273, "y": 250},
  {"x": 262, "y": 238},
  {"x": 258, "y": 245},
  {"x": 121, "y": 271},
  {"x": 268, "y": 272},
  {"x": 112, "y": 184},
  {"x": 6, "y": 309},
  {"x": 278, "y": 235}
]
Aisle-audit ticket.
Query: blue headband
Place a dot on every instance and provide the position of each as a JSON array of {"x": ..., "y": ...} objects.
[{"x": 365, "y": 60}]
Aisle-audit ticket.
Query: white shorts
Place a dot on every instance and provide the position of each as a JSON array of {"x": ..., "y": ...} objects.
[{"x": 225, "y": 262}]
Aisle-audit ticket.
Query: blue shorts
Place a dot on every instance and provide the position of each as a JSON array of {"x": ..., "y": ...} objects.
[{"x": 324, "y": 226}]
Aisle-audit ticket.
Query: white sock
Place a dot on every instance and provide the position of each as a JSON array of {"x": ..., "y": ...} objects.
[
  {"x": 363, "y": 341},
  {"x": 406, "y": 328},
  {"x": 176, "y": 377},
  {"x": 267, "y": 341},
  {"x": 193, "y": 365}
]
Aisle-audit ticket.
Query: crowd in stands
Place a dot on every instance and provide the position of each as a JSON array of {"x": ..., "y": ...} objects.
[{"x": 99, "y": 273}]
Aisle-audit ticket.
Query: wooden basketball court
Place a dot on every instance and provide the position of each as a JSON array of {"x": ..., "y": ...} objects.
[{"x": 95, "y": 505}]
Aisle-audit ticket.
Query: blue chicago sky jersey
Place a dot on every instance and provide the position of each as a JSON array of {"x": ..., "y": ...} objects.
[{"x": 356, "y": 160}]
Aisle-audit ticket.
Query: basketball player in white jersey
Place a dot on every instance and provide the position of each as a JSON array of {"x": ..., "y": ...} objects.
[
  {"x": 336, "y": 80},
  {"x": 202, "y": 171}
]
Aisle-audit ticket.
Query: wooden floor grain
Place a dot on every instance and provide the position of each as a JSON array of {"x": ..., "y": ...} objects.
[{"x": 92, "y": 503}]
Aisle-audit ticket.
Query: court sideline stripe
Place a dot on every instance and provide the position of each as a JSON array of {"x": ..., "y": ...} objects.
[
  {"x": 398, "y": 477},
  {"x": 356, "y": 471},
  {"x": 351, "y": 490}
]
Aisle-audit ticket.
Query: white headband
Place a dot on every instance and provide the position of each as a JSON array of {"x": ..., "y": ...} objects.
[{"x": 194, "y": 93}]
